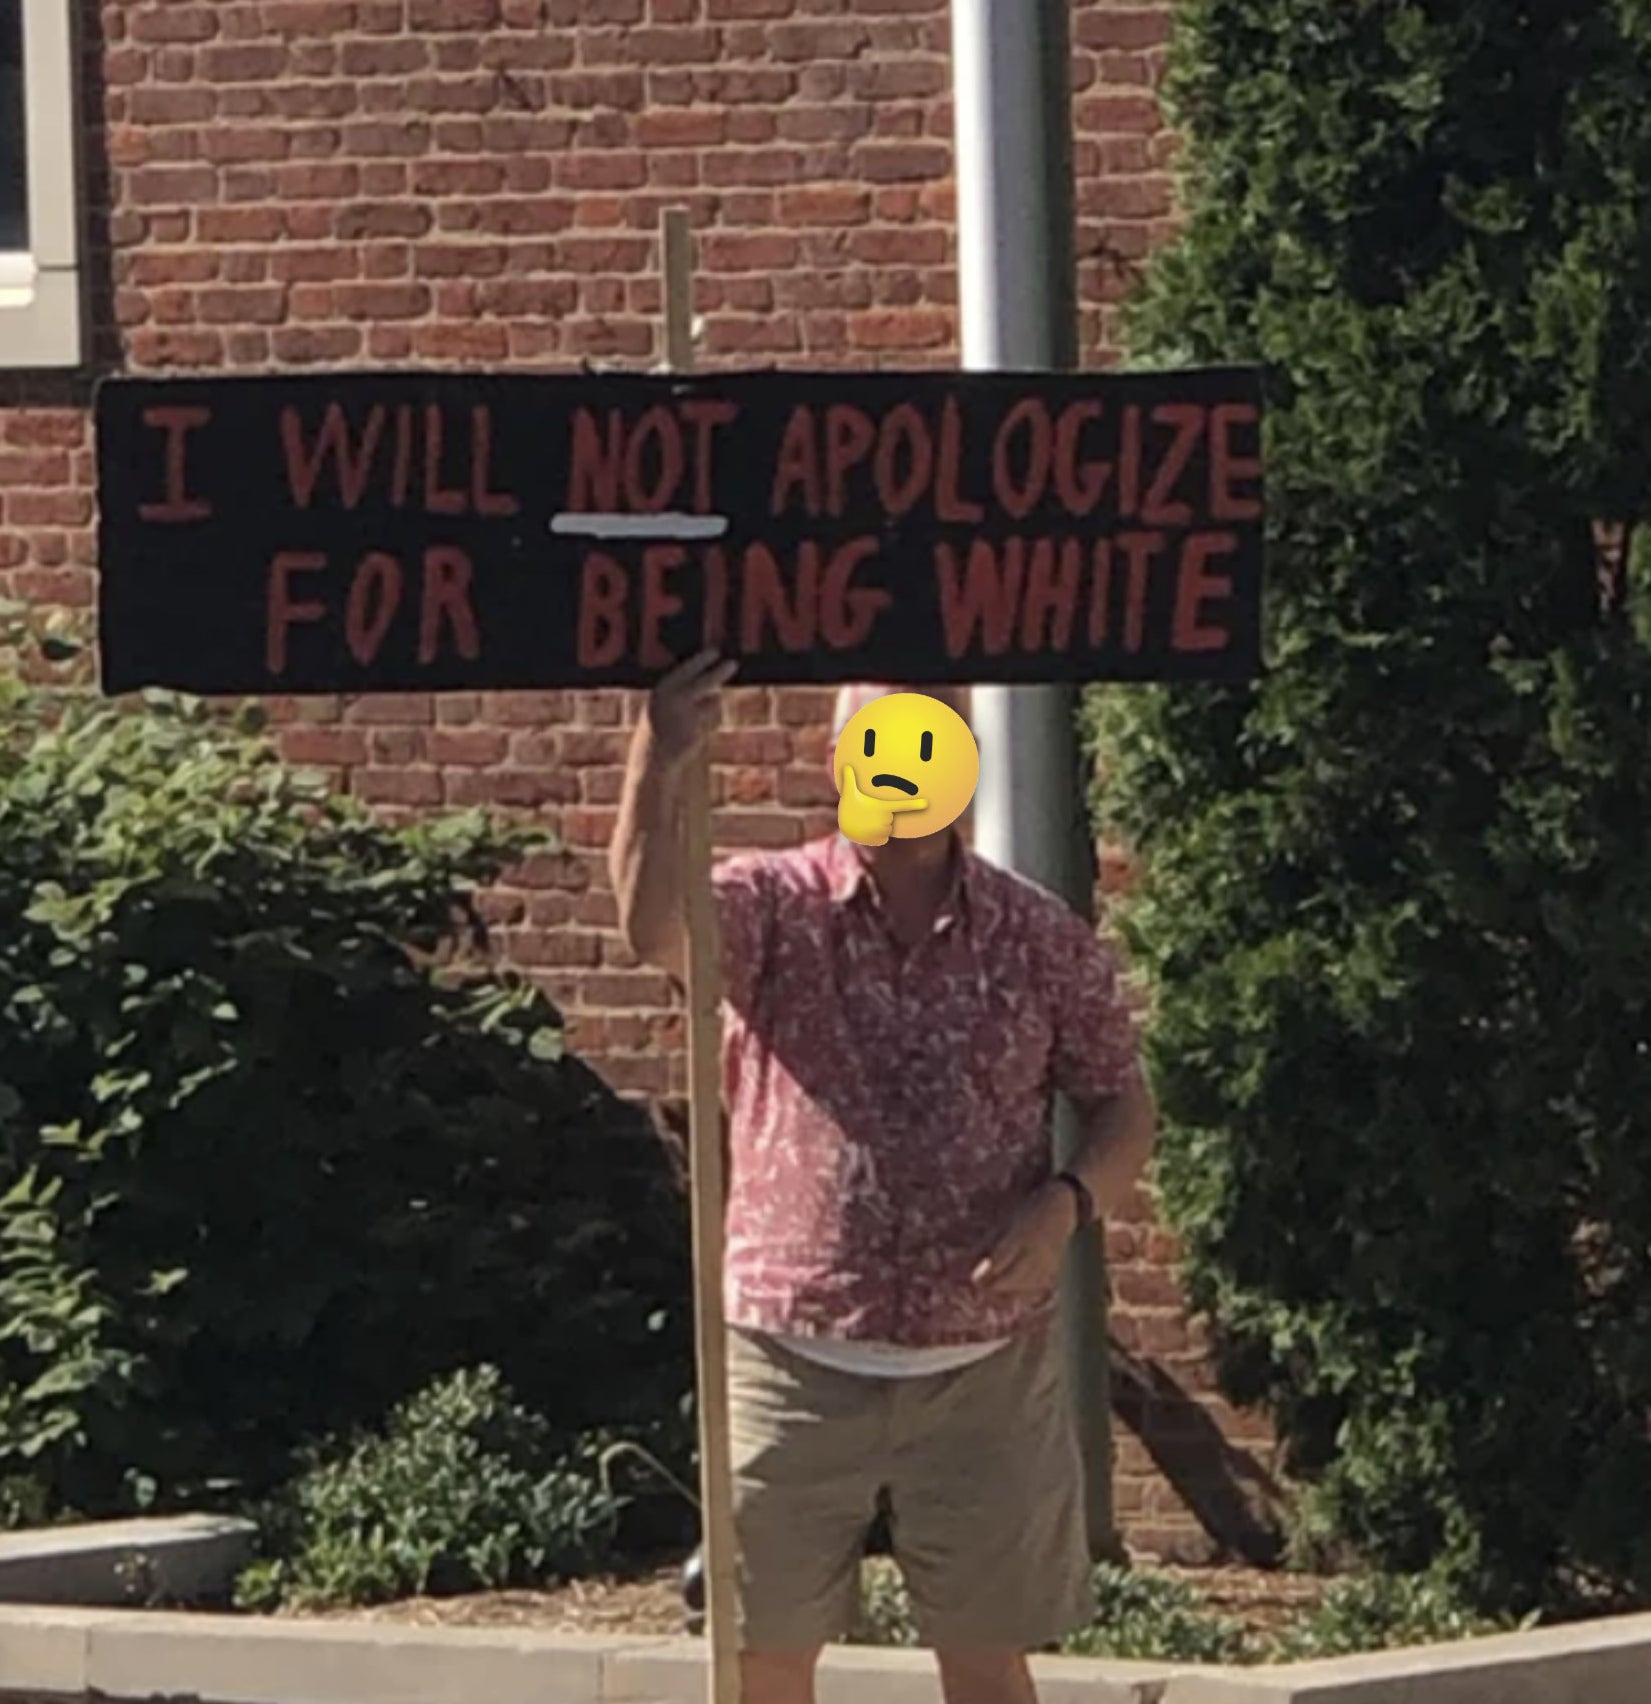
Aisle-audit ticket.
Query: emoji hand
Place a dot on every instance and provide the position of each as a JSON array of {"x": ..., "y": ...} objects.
[{"x": 867, "y": 821}]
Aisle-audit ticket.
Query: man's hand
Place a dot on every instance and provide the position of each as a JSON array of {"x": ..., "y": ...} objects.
[
  {"x": 1027, "y": 1259},
  {"x": 683, "y": 707},
  {"x": 868, "y": 821}
]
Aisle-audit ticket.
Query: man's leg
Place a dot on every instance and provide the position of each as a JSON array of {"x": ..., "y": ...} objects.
[
  {"x": 778, "y": 1677},
  {"x": 981, "y": 1675},
  {"x": 808, "y": 1456},
  {"x": 987, "y": 1493}
]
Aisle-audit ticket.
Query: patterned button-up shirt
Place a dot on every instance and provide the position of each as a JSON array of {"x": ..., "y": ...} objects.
[{"x": 888, "y": 1107}]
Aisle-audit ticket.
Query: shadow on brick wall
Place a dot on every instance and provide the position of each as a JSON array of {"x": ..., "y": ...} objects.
[{"x": 1232, "y": 1496}]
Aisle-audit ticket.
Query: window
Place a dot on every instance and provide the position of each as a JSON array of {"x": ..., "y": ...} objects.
[{"x": 40, "y": 287}]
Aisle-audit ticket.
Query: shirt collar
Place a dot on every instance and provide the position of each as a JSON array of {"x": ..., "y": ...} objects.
[{"x": 849, "y": 873}]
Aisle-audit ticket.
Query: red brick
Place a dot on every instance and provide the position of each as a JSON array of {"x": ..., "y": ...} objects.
[
  {"x": 1110, "y": 28},
  {"x": 438, "y": 15},
  {"x": 307, "y": 346},
  {"x": 381, "y": 709},
  {"x": 602, "y": 171},
  {"x": 900, "y": 328},
  {"x": 324, "y": 18},
  {"x": 381, "y": 301},
  {"x": 161, "y": 186},
  {"x": 34, "y": 467},
  {"x": 49, "y": 508},
  {"x": 395, "y": 57},
  {"x": 1115, "y": 114},
  {"x": 165, "y": 106},
  {"x": 468, "y": 747},
  {"x": 825, "y": 204},
  {"x": 171, "y": 22},
  {"x": 382, "y": 219},
  {"x": 62, "y": 588},
  {"x": 901, "y": 162},
  {"x": 691, "y": 127},
  {"x": 530, "y": 709},
  {"x": 243, "y": 305},
  {"x": 245, "y": 62},
  {"x": 442, "y": 178},
  {"x": 29, "y": 426},
  {"x": 326, "y": 747},
  {"x": 812, "y": 43},
  {"x": 627, "y": 990},
  {"x": 805, "y": 787},
  {"x": 877, "y": 79},
  {"x": 399, "y": 786},
  {"x": 758, "y": 334},
  {"x": 737, "y": 830}
]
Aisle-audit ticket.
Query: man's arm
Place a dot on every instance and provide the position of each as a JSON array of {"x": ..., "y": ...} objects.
[
  {"x": 1115, "y": 1140},
  {"x": 1097, "y": 1066},
  {"x": 645, "y": 859}
]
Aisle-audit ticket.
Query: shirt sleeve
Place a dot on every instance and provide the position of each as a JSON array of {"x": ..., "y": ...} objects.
[
  {"x": 1096, "y": 1046},
  {"x": 741, "y": 887}
]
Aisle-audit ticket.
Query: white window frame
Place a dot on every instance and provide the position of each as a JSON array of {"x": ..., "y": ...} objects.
[{"x": 42, "y": 311}]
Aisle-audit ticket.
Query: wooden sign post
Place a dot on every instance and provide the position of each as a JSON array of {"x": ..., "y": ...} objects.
[{"x": 706, "y": 1181}]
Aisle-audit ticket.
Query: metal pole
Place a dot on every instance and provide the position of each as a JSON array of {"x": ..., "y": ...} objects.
[{"x": 1011, "y": 65}]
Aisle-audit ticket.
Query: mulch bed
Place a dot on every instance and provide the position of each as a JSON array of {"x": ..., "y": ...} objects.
[{"x": 651, "y": 1604}]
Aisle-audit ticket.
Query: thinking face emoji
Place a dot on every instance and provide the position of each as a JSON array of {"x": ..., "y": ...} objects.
[{"x": 906, "y": 765}]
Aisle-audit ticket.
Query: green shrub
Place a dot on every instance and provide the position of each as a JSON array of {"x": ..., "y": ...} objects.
[
  {"x": 1376, "y": 1612},
  {"x": 1396, "y": 906},
  {"x": 1139, "y": 1617},
  {"x": 1144, "y": 1617},
  {"x": 275, "y": 1150},
  {"x": 464, "y": 1490},
  {"x": 885, "y": 1616}
]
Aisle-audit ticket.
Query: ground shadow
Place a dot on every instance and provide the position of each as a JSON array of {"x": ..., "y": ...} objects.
[{"x": 1234, "y": 1499}]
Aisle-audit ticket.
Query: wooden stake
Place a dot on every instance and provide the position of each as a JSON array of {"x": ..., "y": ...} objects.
[{"x": 707, "y": 1182}]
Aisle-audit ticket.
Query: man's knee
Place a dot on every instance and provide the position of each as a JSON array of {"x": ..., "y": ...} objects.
[
  {"x": 778, "y": 1677},
  {"x": 984, "y": 1675}
]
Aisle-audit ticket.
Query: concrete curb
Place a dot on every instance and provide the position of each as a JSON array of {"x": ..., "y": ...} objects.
[
  {"x": 218, "y": 1659},
  {"x": 48, "y": 1653},
  {"x": 1598, "y": 1662},
  {"x": 122, "y": 1564}
]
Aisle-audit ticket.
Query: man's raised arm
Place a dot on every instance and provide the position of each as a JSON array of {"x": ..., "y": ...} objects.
[{"x": 645, "y": 859}]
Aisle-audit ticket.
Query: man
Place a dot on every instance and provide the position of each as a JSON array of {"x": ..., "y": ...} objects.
[{"x": 895, "y": 1019}]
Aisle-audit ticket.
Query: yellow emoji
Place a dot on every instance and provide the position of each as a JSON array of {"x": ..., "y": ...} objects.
[{"x": 906, "y": 765}]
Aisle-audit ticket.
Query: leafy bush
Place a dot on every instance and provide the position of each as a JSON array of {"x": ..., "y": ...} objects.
[
  {"x": 885, "y": 1613},
  {"x": 1397, "y": 908},
  {"x": 275, "y": 1151},
  {"x": 1139, "y": 1616},
  {"x": 464, "y": 1490},
  {"x": 1142, "y": 1617},
  {"x": 1383, "y": 1612}
]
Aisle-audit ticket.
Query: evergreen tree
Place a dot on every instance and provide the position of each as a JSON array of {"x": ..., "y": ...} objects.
[{"x": 1397, "y": 900}]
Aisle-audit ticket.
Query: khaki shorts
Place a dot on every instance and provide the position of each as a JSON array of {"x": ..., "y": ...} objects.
[{"x": 983, "y": 1473}]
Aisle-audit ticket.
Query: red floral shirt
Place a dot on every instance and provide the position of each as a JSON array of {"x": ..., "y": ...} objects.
[{"x": 888, "y": 1109}]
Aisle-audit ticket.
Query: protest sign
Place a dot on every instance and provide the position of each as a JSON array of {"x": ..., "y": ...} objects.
[{"x": 372, "y": 532}]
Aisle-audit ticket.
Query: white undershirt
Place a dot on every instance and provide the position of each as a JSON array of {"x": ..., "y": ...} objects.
[{"x": 888, "y": 1360}]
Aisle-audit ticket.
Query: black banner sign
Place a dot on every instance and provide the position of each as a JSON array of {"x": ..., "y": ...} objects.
[{"x": 368, "y": 532}]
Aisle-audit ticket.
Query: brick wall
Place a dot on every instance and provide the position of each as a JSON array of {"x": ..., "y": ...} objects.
[{"x": 303, "y": 183}]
